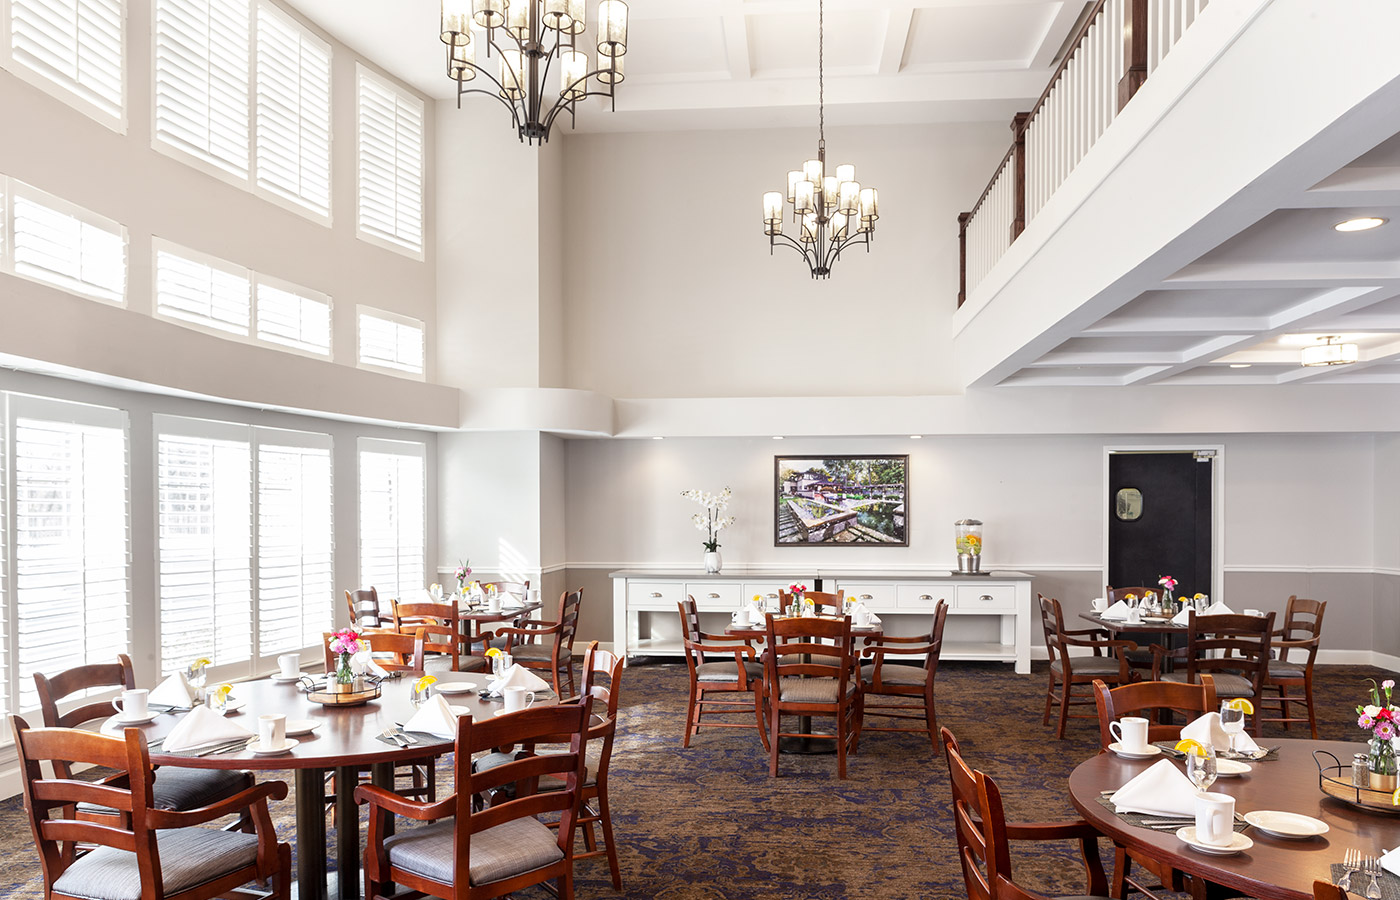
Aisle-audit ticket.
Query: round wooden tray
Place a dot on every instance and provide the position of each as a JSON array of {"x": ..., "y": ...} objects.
[
  {"x": 344, "y": 698},
  {"x": 1335, "y": 781}
]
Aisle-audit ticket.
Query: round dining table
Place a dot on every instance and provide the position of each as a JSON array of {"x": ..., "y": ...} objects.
[
  {"x": 345, "y": 740},
  {"x": 1274, "y": 868}
]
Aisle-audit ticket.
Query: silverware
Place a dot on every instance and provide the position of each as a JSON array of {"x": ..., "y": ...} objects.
[
  {"x": 225, "y": 747},
  {"x": 1348, "y": 864},
  {"x": 392, "y": 734},
  {"x": 1373, "y": 868}
]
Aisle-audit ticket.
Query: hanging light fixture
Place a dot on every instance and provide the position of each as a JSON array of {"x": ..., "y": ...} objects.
[
  {"x": 830, "y": 212},
  {"x": 1330, "y": 352},
  {"x": 530, "y": 37}
]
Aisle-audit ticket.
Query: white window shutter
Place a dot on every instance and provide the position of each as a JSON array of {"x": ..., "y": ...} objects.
[
  {"x": 393, "y": 543},
  {"x": 202, "y": 83},
  {"x": 63, "y": 245},
  {"x": 390, "y": 150},
  {"x": 295, "y": 547},
  {"x": 293, "y": 111},
  {"x": 297, "y": 319},
  {"x": 202, "y": 293},
  {"x": 390, "y": 343},
  {"x": 76, "y": 44}
]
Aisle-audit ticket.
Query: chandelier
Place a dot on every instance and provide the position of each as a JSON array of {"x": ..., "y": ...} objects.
[
  {"x": 1330, "y": 351},
  {"x": 831, "y": 212},
  {"x": 531, "y": 37}
]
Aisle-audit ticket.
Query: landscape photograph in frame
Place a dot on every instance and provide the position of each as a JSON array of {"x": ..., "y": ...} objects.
[{"x": 851, "y": 501}]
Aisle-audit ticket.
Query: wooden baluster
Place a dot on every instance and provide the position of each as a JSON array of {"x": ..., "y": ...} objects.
[
  {"x": 962, "y": 256},
  {"x": 1134, "y": 51},
  {"x": 1018, "y": 185}
]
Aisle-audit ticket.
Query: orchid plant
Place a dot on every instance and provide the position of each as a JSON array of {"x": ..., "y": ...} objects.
[{"x": 712, "y": 521}]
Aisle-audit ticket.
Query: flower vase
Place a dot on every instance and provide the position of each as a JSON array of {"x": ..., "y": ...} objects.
[
  {"x": 713, "y": 562},
  {"x": 344, "y": 677},
  {"x": 1381, "y": 761},
  {"x": 1168, "y": 603}
]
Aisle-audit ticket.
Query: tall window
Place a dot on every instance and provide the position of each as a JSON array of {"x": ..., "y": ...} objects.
[
  {"x": 390, "y": 341},
  {"x": 71, "y": 607},
  {"x": 202, "y": 80},
  {"x": 77, "y": 48},
  {"x": 390, "y": 144},
  {"x": 393, "y": 539},
  {"x": 295, "y": 548},
  {"x": 49, "y": 240},
  {"x": 293, "y": 110}
]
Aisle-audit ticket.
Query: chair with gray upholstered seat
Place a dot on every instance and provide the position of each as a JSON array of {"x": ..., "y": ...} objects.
[
  {"x": 1302, "y": 634},
  {"x": 468, "y": 854},
  {"x": 1233, "y": 649},
  {"x": 729, "y": 678},
  {"x": 808, "y": 670},
  {"x": 888, "y": 676},
  {"x": 140, "y": 852},
  {"x": 1106, "y": 661},
  {"x": 548, "y": 646}
]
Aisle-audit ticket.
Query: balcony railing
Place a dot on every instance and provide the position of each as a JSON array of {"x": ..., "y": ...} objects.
[{"x": 1114, "y": 51}]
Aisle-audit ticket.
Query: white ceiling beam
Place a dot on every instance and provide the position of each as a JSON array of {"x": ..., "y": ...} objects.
[
  {"x": 736, "y": 45},
  {"x": 898, "y": 23},
  {"x": 1056, "y": 33},
  {"x": 1285, "y": 273},
  {"x": 1155, "y": 326},
  {"x": 1368, "y": 188}
]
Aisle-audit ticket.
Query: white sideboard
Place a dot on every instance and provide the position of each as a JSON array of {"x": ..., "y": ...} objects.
[{"x": 989, "y": 617}]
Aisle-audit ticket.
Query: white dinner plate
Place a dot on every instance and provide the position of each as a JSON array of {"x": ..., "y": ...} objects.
[
  {"x": 1146, "y": 753},
  {"x": 301, "y": 726},
  {"x": 1238, "y": 842},
  {"x": 130, "y": 722},
  {"x": 454, "y": 687},
  {"x": 460, "y": 710},
  {"x": 256, "y": 749},
  {"x": 1286, "y": 824},
  {"x": 233, "y": 706},
  {"x": 1229, "y": 768},
  {"x": 286, "y": 679}
]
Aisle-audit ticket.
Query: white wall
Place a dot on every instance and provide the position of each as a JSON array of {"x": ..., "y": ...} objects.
[
  {"x": 489, "y": 505},
  {"x": 672, "y": 292}
]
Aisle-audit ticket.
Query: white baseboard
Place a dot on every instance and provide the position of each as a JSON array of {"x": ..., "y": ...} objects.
[{"x": 1324, "y": 657}]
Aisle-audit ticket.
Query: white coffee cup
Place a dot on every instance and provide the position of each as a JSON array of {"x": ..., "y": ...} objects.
[
  {"x": 493, "y": 602},
  {"x": 534, "y": 595},
  {"x": 131, "y": 705},
  {"x": 743, "y": 616},
  {"x": 272, "y": 731},
  {"x": 1254, "y": 612},
  {"x": 518, "y": 698},
  {"x": 1215, "y": 819},
  {"x": 289, "y": 665},
  {"x": 1097, "y": 604},
  {"x": 1131, "y": 732},
  {"x": 1134, "y": 615},
  {"x": 862, "y": 616}
]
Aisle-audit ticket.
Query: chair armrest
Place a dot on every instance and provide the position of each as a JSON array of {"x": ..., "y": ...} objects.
[
  {"x": 258, "y": 793},
  {"x": 915, "y": 650},
  {"x": 529, "y": 628},
  {"x": 743, "y": 649},
  {"x": 886, "y": 639},
  {"x": 1089, "y": 631},
  {"x": 387, "y": 800},
  {"x": 1051, "y": 831},
  {"x": 1296, "y": 645},
  {"x": 1159, "y": 651}
]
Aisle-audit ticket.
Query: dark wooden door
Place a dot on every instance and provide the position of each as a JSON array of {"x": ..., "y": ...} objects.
[{"x": 1172, "y": 535}]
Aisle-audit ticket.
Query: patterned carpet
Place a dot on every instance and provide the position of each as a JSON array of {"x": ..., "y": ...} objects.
[{"x": 708, "y": 823}]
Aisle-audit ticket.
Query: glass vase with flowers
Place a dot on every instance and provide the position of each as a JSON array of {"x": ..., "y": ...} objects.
[
  {"x": 1380, "y": 718},
  {"x": 345, "y": 644}
]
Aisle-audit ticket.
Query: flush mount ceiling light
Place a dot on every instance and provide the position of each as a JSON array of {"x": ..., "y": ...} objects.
[
  {"x": 831, "y": 212},
  {"x": 1364, "y": 223},
  {"x": 1330, "y": 352},
  {"x": 1240, "y": 365},
  {"x": 530, "y": 36}
]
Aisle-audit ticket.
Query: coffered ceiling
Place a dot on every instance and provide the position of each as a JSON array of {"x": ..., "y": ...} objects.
[{"x": 746, "y": 63}]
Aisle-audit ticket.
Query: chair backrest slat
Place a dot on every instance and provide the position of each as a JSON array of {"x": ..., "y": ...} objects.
[
  {"x": 364, "y": 608},
  {"x": 1242, "y": 641},
  {"x": 53, "y": 689}
]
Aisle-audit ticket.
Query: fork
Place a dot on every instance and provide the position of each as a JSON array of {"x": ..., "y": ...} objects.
[
  {"x": 1349, "y": 862},
  {"x": 1373, "y": 868},
  {"x": 392, "y": 734}
]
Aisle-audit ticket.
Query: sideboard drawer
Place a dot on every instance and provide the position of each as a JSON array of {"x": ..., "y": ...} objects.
[
  {"x": 996, "y": 597},
  {"x": 922, "y": 596},
  {"x": 768, "y": 590},
  {"x": 877, "y": 595},
  {"x": 715, "y": 596},
  {"x": 655, "y": 595}
]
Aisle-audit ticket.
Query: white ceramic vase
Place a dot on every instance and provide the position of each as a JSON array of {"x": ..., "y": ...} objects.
[{"x": 713, "y": 562}]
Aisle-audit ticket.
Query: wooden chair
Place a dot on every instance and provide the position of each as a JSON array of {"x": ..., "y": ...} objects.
[
  {"x": 826, "y": 603},
  {"x": 1116, "y": 594},
  {"x": 1109, "y": 662},
  {"x": 802, "y": 677},
  {"x": 473, "y": 855},
  {"x": 1139, "y": 660},
  {"x": 983, "y": 836},
  {"x": 175, "y": 788},
  {"x": 548, "y": 646},
  {"x": 488, "y": 638},
  {"x": 364, "y": 608},
  {"x": 883, "y": 678},
  {"x": 1325, "y": 890},
  {"x": 158, "y": 852},
  {"x": 730, "y": 678},
  {"x": 442, "y": 635},
  {"x": 1158, "y": 697},
  {"x": 1302, "y": 630},
  {"x": 1232, "y": 648}
]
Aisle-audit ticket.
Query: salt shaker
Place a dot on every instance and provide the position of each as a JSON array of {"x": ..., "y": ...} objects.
[{"x": 1360, "y": 771}]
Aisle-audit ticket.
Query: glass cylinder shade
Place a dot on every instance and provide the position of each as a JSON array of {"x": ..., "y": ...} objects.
[
  {"x": 812, "y": 171},
  {"x": 845, "y": 173},
  {"x": 461, "y": 62},
  {"x": 512, "y": 74},
  {"x": 849, "y": 204},
  {"x": 838, "y": 227},
  {"x": 456, "y": 22},
  {"x": 573, "y": 73},
  {"x": 612, "y": 28},
  {"x": 773, "y": 212},
  {"x": 793, "y": 177},
  {"x": 869, "y": 204},
  {"x": 518, "y": 18},
  {"x": 578, "y": 18},
  {"x": 805, "y": 199},
  {"x": 831, "y": 192},
  {"x": 610, "y": 72},
  {"x": 489, "y": 13},
  {"x": 809, "y": 228},
  {"x": 556, "y": 15}
]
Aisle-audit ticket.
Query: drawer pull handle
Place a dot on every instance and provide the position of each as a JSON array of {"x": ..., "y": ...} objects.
[
  {"x": 985, "y": 598},
  {"x": 866, "y": 597},
  {"x": 714, "y": 596},
  {"x": 656, "y": 594},
  {"x": 772, "y": 596},
  {"x": 925, "y": 597}
]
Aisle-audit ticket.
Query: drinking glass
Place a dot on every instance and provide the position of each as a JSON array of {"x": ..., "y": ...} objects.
[
  {"x": 1232, "y": 720},
  {"x": 195, "y": 674},
  {"x": 499, "y": 664},
  {"x": 420, "y": 694},
  {"x": 1201, "y": 769}
]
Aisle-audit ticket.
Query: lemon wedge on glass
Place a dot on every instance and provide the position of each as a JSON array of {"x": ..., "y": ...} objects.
[
  {"x": 1190, "y": 746},
  {"x": 224, "y": 690},
  {"x": 1242, "y": 704},
  {"x": 203, "y": 661},
  {"x": 424, "y": 683},
  {"x": 493, "y": 652}
]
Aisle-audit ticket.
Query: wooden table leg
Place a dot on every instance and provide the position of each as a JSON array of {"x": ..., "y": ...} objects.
[
  {"x": 311, "y": 834},
  {"x": 347, "y": 833}
]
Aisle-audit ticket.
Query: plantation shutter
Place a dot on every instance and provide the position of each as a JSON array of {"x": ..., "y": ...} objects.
[
  {"x": 204, "y": 567},
  {"x": 393, "y": 542},
  {"x": 76, "y": 44},
  {"x": 60, "y": 244},
  {"x": 200, "y": 292},
  {"x": 293, "y": 111},
  {"x": 390, "y": 147},
  {"x": 301, "y": 320},
  {"x": 72, "y": 593},
  {"x": 391, "y": 343},
  {"x": 201, "y": 75},
  {"x": 295, "y": 547}
]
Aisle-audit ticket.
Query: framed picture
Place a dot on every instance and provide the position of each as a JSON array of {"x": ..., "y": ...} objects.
[{"x": 850, "y": 501}]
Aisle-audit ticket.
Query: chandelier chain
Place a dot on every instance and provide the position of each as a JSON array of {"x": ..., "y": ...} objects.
[{"x": 821, "y": 72}]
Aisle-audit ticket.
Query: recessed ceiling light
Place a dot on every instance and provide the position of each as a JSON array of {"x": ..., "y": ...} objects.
[
  {"x": 657, "y": 437},
  {"x": 915, "y": 437},
  {"x": 777, "y": 437},
  {"x": 1240, "y": 365},
  {"x": 1363, "y": 223}
]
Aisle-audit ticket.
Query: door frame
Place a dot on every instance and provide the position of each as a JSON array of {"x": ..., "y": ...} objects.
[{"x": 1217, "y": 503}]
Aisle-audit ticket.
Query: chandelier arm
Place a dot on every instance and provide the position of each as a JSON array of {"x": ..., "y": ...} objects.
[
  {"x": 563, "y": 102},
  {"x": 515, "y": 115}
]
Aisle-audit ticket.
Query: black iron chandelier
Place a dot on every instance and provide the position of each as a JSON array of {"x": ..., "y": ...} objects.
[
  {"x": 531, "y": 37},
  {"x": 832, "y": 212}
]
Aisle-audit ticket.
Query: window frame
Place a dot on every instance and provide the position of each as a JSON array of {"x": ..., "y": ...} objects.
[
  {"x": 419, "y": 253},
  {"x": 399, "y": 319},
  {"x": 365, "y": 445},
  {"x": 12, "y": 187},
  {"x": 58, "y": 89}
]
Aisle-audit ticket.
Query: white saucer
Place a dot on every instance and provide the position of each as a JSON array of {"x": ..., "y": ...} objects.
[
  {"x": 1229, "y": 768},
  {"x": 234, "y": 706},
  {"x": 285, "y": 679},
  {"x": 1238, "y": 842},
  {"x": 454, "y": 687},
  {"x": 301, "y": 726},
  {"x": 1146, "y": 753},
  {"x": 1286, "y": 824},
  {"x": 255, "y": 748},
  {"x": 460, "y": 710},
  {"x": 141, "y": 721}
]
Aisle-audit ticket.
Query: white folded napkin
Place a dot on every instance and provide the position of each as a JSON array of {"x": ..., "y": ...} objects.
[
  {"x": 855, "y": 611},
  {"x": 202, "y": 727},
  {"x": 1183, "y": 617},
  {"x": 517, "y": 676},
  {"x": 434, "y": 717},
  {"x": 362, "y": 663},
  {"x": 809, "y": 610},
  {"x": 1208, "y": 730},
  {"x": 1218, "y": 609},
  {"x": 1118, "y": 610},
  {"x": 173, "y": 691},
  {"x": 1160, "y": 791},
  {"x": 1391, "y": 861}
]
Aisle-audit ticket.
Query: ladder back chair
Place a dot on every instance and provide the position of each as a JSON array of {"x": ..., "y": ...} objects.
[
  {"x": 487, "y": 638},
  {"x": 984, "y": 836},
  {"x": 738, "y": 675},
  {"x": 803, "y": 676},
  {"x": 894, "y": 678},
  {"x": 364, "y": 608},
  {"x": 826, "y": 603},
  {"x": 1232, "y": 648},
  {"x": 1109, "y": 663},
  {"x": 1301, "y": 632},
  {"x": 442, "y": 630},
  {"x": 548, "y": 646},
  {"x": 143, "y": 852}
]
